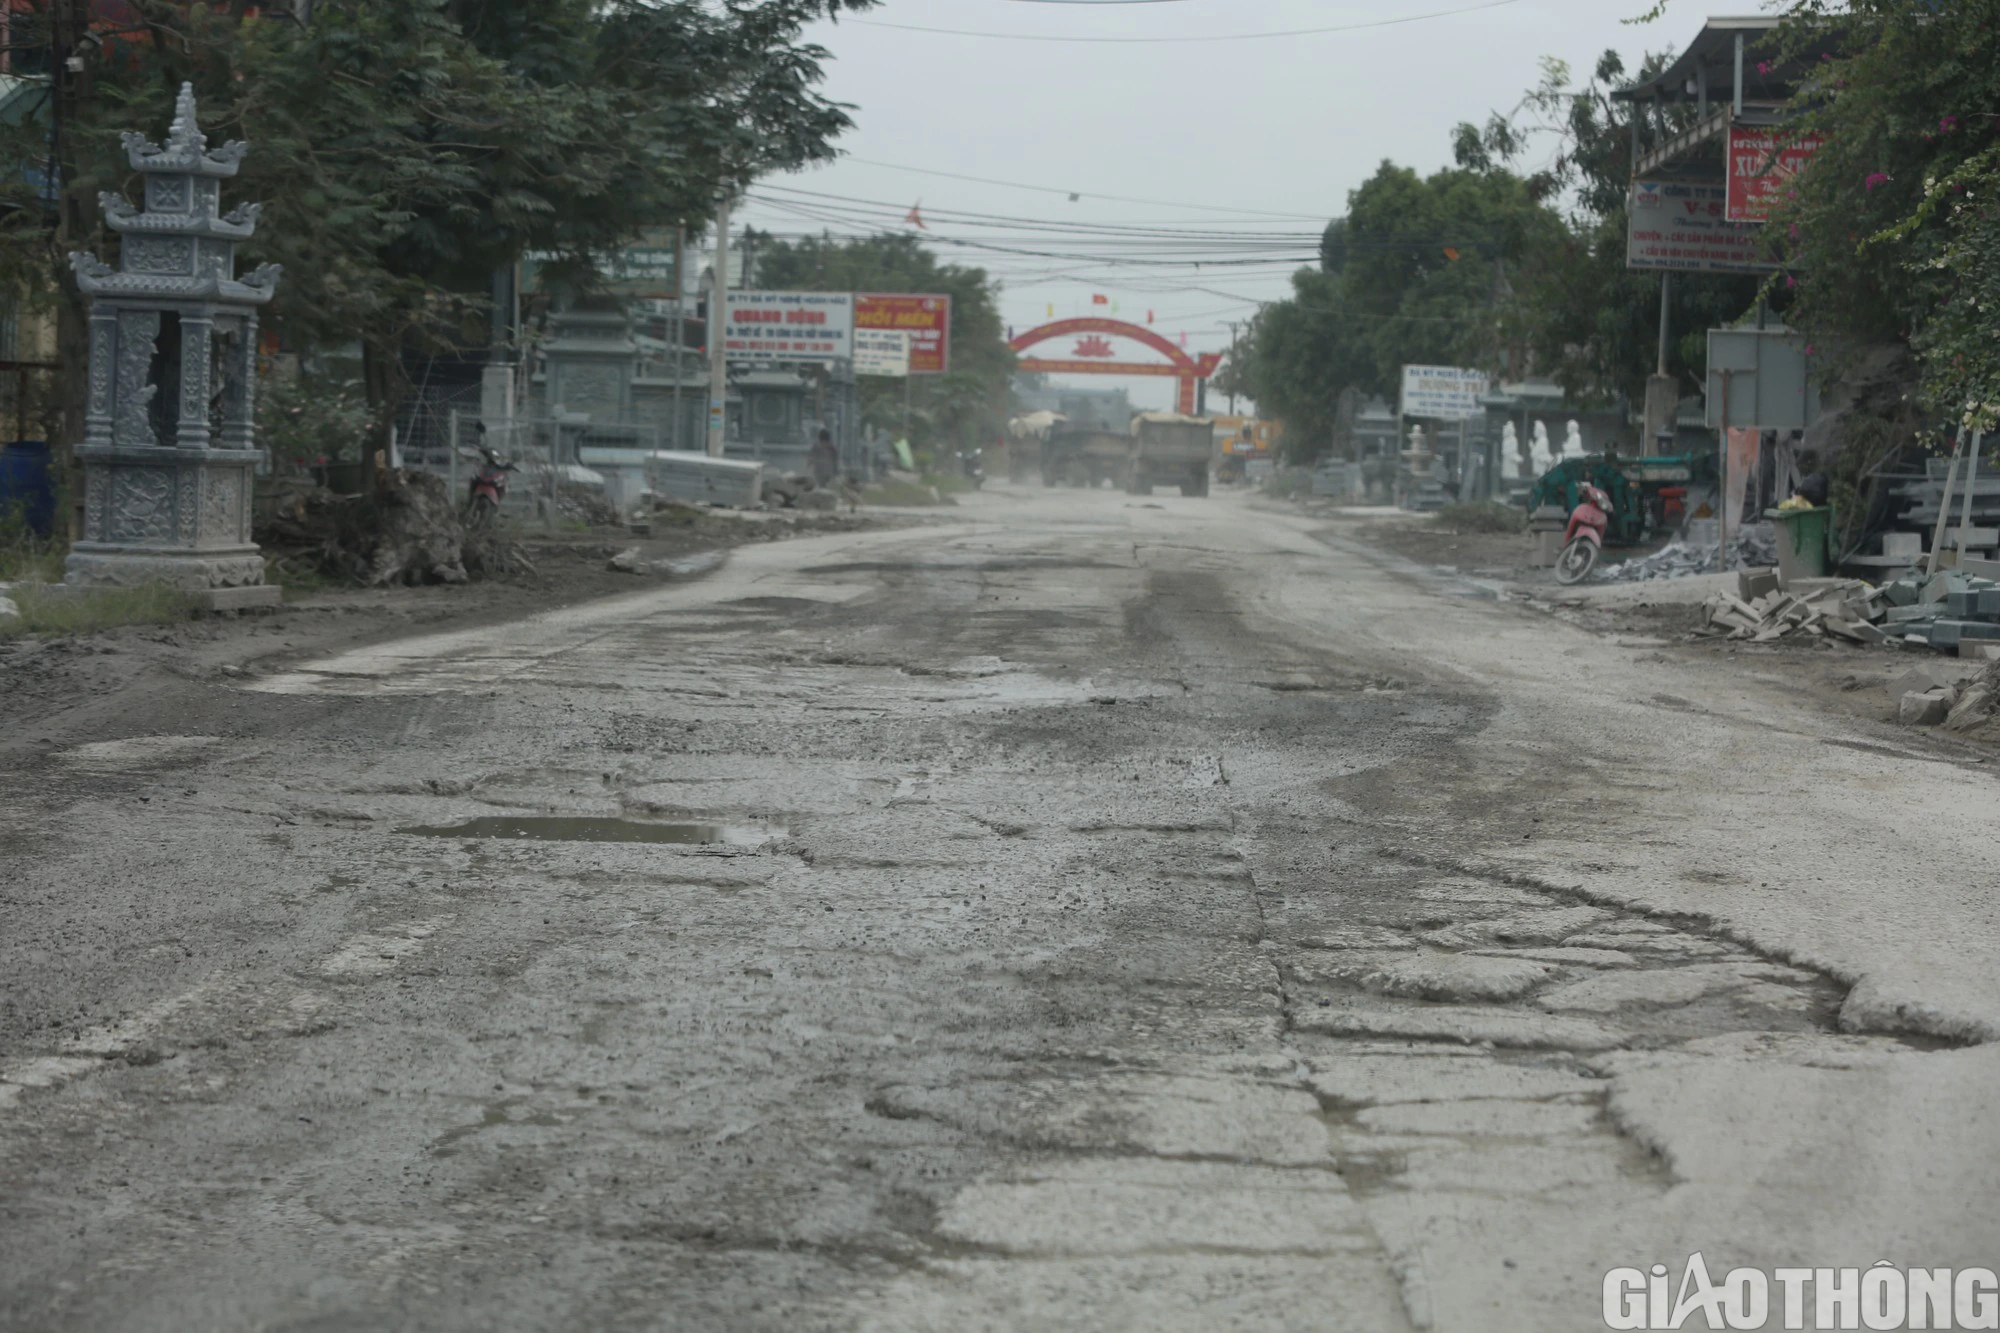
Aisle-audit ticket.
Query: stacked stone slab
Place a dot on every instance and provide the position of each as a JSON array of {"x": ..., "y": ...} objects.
[
  {"x": 170, "y": 449},
  {"x": 1948, "y": 610}
]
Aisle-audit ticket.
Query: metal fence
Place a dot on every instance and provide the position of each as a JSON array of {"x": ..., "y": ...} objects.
[{"x": 620, "y": 463}]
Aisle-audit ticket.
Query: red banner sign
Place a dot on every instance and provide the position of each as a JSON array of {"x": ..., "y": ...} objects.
[
  {"x": 1762, "y": 166},
  {"x": 927, "y": 319}
]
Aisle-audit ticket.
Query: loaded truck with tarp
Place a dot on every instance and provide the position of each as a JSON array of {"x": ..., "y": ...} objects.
[{"x": 1171, "y": 448}]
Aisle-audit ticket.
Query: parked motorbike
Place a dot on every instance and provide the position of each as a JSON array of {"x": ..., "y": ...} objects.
[
  {"x": 970, "y": 464},
  {"x": 1583, "y": 541},
  {"x": 488, "y": 490}
]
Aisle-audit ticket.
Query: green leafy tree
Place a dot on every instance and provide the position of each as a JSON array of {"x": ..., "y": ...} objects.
[
  {"x": 962, "y": 408},
  {"x": 1301, "y": 354},
  {"x": 405, "y": 149},
  {"x": 1588, "y": 321},
  {"x": 1894, "y": 231},
  {"x": 1421, "y": 270}
]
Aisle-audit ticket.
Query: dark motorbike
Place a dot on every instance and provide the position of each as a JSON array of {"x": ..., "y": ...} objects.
[
  {"x": 972, "y": 466},
  {"x": 488, "y": 490}
]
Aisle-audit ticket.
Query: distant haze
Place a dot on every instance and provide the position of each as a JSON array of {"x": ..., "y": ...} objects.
[{"x": 1286, "y": 126}]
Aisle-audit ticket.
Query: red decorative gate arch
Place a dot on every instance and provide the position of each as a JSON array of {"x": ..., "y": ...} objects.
[{"x": 1093, "y": 353}]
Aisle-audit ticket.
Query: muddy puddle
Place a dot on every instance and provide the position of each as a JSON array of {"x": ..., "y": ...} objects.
[{"x": 588, "y": 828}]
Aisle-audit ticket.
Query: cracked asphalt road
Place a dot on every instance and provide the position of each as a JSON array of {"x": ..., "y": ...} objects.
[{"x": 1093, "y": 915}]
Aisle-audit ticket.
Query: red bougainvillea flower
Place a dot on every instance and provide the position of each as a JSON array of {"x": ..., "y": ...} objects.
[
  {"x": 1948, "y": 124},
  {"x": 1763, "y": 67},
  {"x": 1875, "y": 178}
]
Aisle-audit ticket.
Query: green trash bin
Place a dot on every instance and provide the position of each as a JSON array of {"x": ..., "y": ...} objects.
[{"x": 1801, "y": 542}]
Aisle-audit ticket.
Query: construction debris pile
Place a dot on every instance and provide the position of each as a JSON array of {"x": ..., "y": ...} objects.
[
  {"x": 405, "y": 531},
  {"x": 1923, "y": 700},
  {"x": 1761, "y": 610},
  {"x": 1949, "y": 611},
  {"x": 1754, "y": 546}
]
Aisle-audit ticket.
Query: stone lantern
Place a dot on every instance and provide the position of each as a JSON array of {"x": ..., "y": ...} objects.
[{"x": 170, "y": 447}]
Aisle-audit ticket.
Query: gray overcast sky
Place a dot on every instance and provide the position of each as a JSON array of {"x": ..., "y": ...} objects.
[{"x": 1285, "y": 125}]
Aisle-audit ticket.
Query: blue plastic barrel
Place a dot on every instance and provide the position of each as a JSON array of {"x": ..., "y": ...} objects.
[{"x": 27, "y": 486}]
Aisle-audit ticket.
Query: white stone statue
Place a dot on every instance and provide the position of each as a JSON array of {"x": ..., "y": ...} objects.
[
  {"x": 1510, "y": 453},
  {"x": 1573, "y": 440},
  {"x": 1540, "y": 455}
]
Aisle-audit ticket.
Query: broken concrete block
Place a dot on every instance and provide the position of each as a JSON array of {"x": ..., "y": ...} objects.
[
  {"x": 1974, "y": 706},
  {"x": 1984, "y": 650},
  {"x": 1904, "y": 545},
  {"x": 1941, "y": 585},
  {"x": 625, "y": 562},
  {"x": 1923, "y": 710},
  {"x": 1988, "y": 602},
  {"x": 1854, "y": 631},
  {"x": 1945, "y": 633},
  {"x": 1901, "y": 592},
  {"x": 1899, "y": 614},
  {"x": 1754, "y": 583}
]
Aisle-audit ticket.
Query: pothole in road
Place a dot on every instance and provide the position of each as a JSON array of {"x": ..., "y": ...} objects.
[
  {"x": 591, "y": 828},
  {"x": 1458, "y": 1027}
]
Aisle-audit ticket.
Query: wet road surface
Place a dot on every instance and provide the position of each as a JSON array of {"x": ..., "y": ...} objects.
[{"x": 1083, "y": 914}]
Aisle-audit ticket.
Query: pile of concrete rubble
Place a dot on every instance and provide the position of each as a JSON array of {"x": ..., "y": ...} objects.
[
  {"x": 1753, "y": 546},
  {"x": 1948, "y": 611},
  {"x": 1924, "y": 700},
  {"x": 1762, "y": 609}
]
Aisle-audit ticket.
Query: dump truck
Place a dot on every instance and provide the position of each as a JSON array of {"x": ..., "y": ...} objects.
[
  {"x": 1168, "y": 447},
  {"x": 1084, "y": 455}
]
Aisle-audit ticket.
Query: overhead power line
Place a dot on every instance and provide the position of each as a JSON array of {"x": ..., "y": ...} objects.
[
  {"x": 1088, "y": 194},
  {"x": 1210, "y": 37}
]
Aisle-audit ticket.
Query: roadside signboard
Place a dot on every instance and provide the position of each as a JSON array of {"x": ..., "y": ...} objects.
[
  {"x": 881, "y": 352},
  {"x": 925, "y": 318},
  {"x": 1762, "y": 166},
  {"x": 1761, "y": 377},
  {"x": 789, "y": 326},
  {"x": 1447, "y": 392},
  {"x": 649, "y": 269},
  {"x": 1683, "y": 227}
]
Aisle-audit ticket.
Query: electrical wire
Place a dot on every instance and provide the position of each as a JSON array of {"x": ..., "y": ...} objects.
[
  {"x": 1213, "y": 37},
  {"x": 1077, "y": 195}
]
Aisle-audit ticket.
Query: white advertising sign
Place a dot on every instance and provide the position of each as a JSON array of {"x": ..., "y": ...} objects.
[
  {"x": 1446, "y": 392},
  {"x": 789, "y": 326},
  {"x": 881, "y": 352},
  {"x": 1674, "y": 225}
]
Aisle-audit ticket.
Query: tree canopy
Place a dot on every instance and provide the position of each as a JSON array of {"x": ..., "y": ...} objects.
[
  {"x": 1894, "y": 231},
  {"x": 405, "y": 149},
  {"x": 1482, "y": 264}
]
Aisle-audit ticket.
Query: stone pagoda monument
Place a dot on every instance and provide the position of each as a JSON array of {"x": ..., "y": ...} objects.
[{"x": 170, "y": 444}]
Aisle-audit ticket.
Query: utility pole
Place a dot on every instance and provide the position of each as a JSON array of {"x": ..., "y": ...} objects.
[
  {"x": 1662, "y": 394},
  {"x": 680, "y": 334},
  {"x": 70, "y": 89},
  {"x": 718, "y": 314},
  {"x": 1235, "y": 366}
]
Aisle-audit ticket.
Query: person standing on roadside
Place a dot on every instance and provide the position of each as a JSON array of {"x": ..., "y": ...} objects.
[{"x": 823, "y": 460}]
